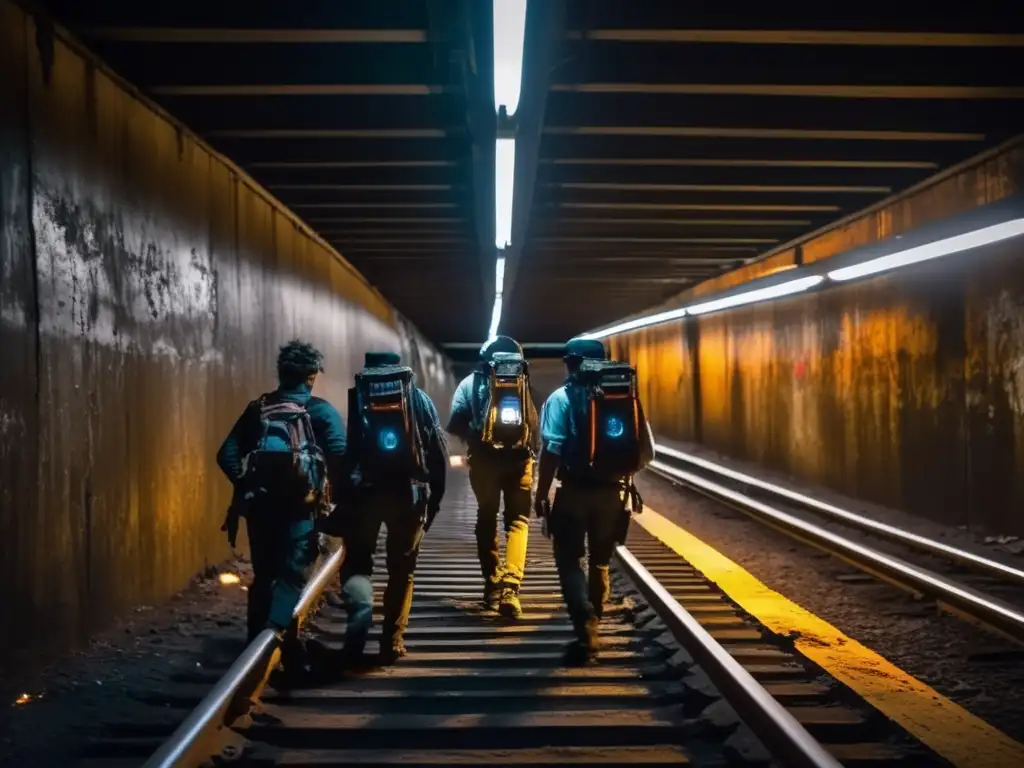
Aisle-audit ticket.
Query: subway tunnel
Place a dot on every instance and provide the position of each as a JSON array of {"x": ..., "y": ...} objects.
[{"x": 802, "y": 228}]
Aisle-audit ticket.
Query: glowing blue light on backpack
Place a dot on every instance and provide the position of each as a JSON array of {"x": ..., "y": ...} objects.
[
  {"x": 613, "y": 427},
  {"x": 509, "y": 411},
  {"x": 387, "y": 439}
]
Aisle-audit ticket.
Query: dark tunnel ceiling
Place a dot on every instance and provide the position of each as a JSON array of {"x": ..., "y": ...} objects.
[
  {"x": 679, "y": 140},
  {"x": 353, "y": 114}
]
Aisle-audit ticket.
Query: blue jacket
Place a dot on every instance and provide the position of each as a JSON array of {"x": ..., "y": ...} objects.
[{"x": 328, "y": 429}]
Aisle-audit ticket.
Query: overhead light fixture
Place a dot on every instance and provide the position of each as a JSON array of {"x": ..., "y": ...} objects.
[
  {"x": 499, "y": 275},
  {"x": 495, "y": 318},
  {"x": 509, "y": 32},
  {"x": 632, "y": 325},
  {"x": 758, "y": 294},
  {"x": 736, "y": 300},
  {"x": 945, "y": 247},
  {"x": 986, "y": 225},
  {"x": 504, "y": 189}
]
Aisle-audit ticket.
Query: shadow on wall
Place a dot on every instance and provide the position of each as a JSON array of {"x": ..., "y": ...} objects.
[{"x": 145, "y": 287}]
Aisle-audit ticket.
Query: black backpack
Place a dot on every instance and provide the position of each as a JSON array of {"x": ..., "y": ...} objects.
[
  {"x": 286, "y": 460},
  {"x": 506, "y": 421},
  {"x": 384, "y": 434},
  {"x": 612, "y": 440}
]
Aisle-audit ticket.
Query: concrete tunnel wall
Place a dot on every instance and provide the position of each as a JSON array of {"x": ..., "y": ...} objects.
[
  {"x": 905, "y": 390},
  {"x": 145, "y": 286}
]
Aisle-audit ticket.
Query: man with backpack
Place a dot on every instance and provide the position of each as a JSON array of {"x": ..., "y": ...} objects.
[
  {"x": 595, "y": 437},
  {"x": 280, "y": 457},
  {"x": 395, "y": 469},
  {"x": 493, "y": 412}
]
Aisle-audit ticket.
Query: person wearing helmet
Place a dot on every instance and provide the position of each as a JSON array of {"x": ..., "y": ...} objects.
[
  {"x": 594, "y": 436},
  {"x": 493, "y": 412}
]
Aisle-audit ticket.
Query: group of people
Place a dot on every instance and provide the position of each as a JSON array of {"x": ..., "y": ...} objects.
[{"x": 299, "y": 474}]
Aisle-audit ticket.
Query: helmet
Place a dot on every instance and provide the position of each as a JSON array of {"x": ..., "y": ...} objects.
[
  {"x": 591, "y": 349},
  {"x": 499, "y": 344},
  {"x": 377, "y": 359}
]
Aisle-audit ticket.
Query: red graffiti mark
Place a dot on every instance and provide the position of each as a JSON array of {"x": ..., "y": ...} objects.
[{"x": 799, "y": 370}]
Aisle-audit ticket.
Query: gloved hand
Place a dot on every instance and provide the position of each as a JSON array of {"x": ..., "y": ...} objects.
[{"x": 230, "y": 526}]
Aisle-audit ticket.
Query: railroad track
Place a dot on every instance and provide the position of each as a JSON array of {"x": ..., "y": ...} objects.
[
  {"x": 983, "y": 591},
  {"x": 679, "y": 661}
]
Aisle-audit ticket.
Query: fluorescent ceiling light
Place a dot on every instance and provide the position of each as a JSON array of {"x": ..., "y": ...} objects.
[
  {"x": 504, "y": 187},
  {"x": 758, "y": 294},
  {"x": 509, "y": 33},
  {"x": 499, "y": 275},
  {"x": 945, "y": 247},
  {"x": 495, "y": 318},
  {"x": 632, "y": 325}
]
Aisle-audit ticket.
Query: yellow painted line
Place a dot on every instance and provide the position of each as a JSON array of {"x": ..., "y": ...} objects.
[{"x": 942, "y": 725}]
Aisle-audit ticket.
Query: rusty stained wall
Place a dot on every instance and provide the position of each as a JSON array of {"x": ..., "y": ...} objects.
[
  {"x": 905, "y": 390},
  {"x": 164, "y": 283}
]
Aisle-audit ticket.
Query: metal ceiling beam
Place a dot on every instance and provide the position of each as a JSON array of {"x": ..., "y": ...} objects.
[
  {"x": 331, "y": 89},
  {"x": 328, "y": 133},
  {"x": 800, "y": 90},
  {"x": 720, "y": 188},
  {"x": 545, "y": 28},
  {"x": 701, "y": 162},
  {"x": 342, "y": 164},
  {"x": 737, "y": 207},
  {"x": 712, "y": 132},
  {"x": 646, "y": 222},
  {"x": 367, "y": 187},
  {"x": 661, "y": 240},
  {"x": 806, "y": 37},
  {"x": 468, "y": 26},
  {"x": 189, "y": 35},
  {"x": 375, "y": 206}
]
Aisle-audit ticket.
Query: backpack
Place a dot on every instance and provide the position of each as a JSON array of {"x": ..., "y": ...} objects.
[
  {"x": 612, "y": 439},
  {"x": 287, "y": 460},
  {"x": 506, "y": 421},
  {"x": 384, "y": 434}
]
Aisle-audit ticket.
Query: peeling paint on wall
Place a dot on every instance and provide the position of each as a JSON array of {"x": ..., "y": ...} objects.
[{"x": 165, "y": 286}]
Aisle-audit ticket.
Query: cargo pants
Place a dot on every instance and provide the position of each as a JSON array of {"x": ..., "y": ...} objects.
[
  {"x": 283, "y": 549},
  {"x": 403, "y": 515},
  {"x": 494, "y": 477},
  {"x": 585, "y": 520}
]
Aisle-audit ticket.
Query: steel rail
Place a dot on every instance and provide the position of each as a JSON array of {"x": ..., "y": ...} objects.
[
  {"x": 854, "y": 520},
  {"x": 193, "y": 742},
  {"x": 787, "y": 741},
  {"x": 975, "y": 605}
]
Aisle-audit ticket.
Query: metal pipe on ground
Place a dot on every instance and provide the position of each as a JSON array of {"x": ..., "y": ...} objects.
[
  {"x": 787, "y": 740},
  {"x": 193, "y": 742},
  {"x": 852, "y": 519},
  {"x": 972, "y": 604}
]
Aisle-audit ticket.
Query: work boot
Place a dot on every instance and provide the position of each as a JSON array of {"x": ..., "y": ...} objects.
[
  {"x": 509, "y": 606},
  {"x": 391, "y": 651},
  {"x": 492, "y": 593},
  {"x": 584, "y": 649}
]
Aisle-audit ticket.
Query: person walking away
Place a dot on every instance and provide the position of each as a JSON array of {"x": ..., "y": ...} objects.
[
  {"x": 280, "y": 457},
  {"x": 396, "y": 469},
  {"x": 595, "y": 438},
  {"x": 493, "y": 412}
]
